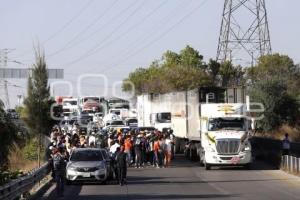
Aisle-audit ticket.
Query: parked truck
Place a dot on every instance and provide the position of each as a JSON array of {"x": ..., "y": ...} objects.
[{"x": 190, "y": 113}]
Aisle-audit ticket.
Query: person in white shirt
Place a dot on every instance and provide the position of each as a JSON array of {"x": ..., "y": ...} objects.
[{"x": 114, "y": 147}]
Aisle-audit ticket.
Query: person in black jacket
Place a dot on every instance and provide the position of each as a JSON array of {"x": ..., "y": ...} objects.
[{"x": 121, "y": 160}]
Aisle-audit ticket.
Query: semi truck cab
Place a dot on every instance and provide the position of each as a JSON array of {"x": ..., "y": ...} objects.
[{"x": 224, "y": 135}]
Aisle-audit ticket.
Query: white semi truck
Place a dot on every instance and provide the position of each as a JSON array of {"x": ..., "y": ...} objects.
[{"x": 192, "y": 114}]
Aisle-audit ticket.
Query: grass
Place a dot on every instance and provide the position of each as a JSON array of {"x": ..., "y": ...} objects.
[
  {"x": 294, "y": 133},
  {"x": 17, "y": 161}
]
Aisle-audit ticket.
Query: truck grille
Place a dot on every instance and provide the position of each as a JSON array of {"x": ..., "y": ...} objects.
[{"x": 228, "y": 146}]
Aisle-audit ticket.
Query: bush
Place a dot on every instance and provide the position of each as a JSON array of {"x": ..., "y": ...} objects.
[{"x": 30, "y": 150}]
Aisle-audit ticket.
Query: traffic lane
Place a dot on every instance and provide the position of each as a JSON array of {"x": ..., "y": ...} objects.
[
  {"x": 152, "y": 183},
  {"x": 186, "y": 180},
  {"x": 260, "y": 184}
]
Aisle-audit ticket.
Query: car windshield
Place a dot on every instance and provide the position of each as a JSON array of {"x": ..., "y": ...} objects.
[
  {"x": 117, "y": 112},
  {"x": 216, "y": 124},
  {"x": 91, "y": 99},
  {"x": 117, "y": 123},
  {"x": 73, "y": 103},
  {"x": 87, "y": 155}
]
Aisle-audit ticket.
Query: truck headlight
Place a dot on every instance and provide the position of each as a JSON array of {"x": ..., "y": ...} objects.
[{"x": 246, "y": 147}]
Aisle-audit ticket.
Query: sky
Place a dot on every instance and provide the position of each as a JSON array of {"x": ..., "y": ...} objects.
[{"x": 111, "y": 38}]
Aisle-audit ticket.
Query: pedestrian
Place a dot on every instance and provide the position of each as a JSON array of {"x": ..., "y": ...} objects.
[
  {"x": 59, "y": 166},
  {"x": 156, "y": 152},
  {"x": 161, "y": 151},
  {"x": 121, "y": 159},
  {"x": 138, "y": 151},
  {"x": 286, "y": 145},
  {"x": 168, "y": 151},
  {"x": 128, "y": 146}
]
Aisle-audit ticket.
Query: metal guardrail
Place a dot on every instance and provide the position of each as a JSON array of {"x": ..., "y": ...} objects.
[
  {"x": 14, "y": 189},
  {"x": 290, "y": 164}
]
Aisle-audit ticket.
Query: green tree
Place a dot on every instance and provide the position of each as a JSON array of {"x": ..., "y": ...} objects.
[
  {"x": 8, "y": 135},
  {"x": 37, "y": 104},
  {"x": 231, "y": 75},
  {"x": 213, "y": 69},
  {"x": 280, "y": 107},
  {"x": 174, "y": 72}
]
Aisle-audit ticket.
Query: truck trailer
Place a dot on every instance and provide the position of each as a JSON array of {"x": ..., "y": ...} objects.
[{"x": 190, "y": 113}]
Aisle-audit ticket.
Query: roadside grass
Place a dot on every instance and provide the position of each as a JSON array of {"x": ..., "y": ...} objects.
[{"x": 294, "y": 133}]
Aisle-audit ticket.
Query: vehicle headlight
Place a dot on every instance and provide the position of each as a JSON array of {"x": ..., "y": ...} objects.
[
  {"x": 246, "y": 146},
  {"x": 101, "y": 165},
  {"x": 71, "y": 168}
]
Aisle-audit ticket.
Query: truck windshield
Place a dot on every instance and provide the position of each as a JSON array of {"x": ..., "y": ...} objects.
[
  {"x": 216, "y": 124},
  {"x": 164, "y": 117}
]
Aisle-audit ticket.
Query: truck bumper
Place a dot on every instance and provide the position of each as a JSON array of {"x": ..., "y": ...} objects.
[{"x": 242, "y": 158}]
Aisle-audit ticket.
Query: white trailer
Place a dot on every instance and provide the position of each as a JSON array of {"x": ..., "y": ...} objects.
[{"x": 181, "y": 111}]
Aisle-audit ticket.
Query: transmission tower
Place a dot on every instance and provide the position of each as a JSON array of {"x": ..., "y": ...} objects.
[{"x": 244, "y": 33}]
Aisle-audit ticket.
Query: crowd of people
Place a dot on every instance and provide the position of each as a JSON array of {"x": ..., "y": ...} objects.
[
  {"x": 143, "y": 148},
  {"x": 127, "y": 147}
]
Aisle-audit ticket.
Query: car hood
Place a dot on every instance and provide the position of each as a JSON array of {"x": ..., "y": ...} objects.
[{"x": 84, "y": 163}]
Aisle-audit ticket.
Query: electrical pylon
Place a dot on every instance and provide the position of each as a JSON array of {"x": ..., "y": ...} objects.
[{"x": 244, "y": 33}]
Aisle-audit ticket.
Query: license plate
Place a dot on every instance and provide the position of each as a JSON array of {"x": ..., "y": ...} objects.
[{"x": 86, "y": 175}]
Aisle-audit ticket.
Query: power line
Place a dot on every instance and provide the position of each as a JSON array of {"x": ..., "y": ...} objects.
[
  {"x": 125, "y": 32},
  {"x": 67, "y": 24},
  {"x": 157, "y": 38},
  {"x": 93, "y": 50},
  {"x": 121, "y": 35},
  {"x": 69, "y": 45}
]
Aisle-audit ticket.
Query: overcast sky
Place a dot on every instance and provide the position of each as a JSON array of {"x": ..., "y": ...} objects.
[{"x": 114, "y": 37}]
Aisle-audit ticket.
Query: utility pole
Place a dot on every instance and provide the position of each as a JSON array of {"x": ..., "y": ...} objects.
[
  {"x": 3, "y": 63},
  {"x": 244, "y": 33}
]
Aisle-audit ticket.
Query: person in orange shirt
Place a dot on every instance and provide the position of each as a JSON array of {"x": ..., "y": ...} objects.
[
  {"x": 156, "y": 148},
  {"x": 127, "y": 150}
]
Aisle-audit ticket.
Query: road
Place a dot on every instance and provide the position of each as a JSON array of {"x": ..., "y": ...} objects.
[{"x": 186, "y": 180}]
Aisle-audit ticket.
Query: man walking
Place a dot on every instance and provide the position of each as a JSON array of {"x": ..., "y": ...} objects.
[
  {"x": 59, "y": 167},
  {"x": 121, "y": 159}
]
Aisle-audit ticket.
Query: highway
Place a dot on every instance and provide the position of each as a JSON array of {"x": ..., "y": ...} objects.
[{"x": 186, "y": 180}]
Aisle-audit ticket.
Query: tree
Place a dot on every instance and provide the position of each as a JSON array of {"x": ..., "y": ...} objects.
[
  {"x": 231, "y": 75},
  {"x": 279, "y": 67},
  {"x": 175, "y": 72},
  {"x": 37, "y": 104},
  {"x": 8, "y": 135},
  {"x": 213, "y": 69},
  {"x": 280, "y": 107}
]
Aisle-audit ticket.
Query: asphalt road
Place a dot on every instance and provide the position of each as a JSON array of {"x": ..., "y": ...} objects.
[{"x": 186, "y": 180}]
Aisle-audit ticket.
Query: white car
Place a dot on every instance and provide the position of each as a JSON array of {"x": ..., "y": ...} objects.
[{"x": 87, "y": 164}]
